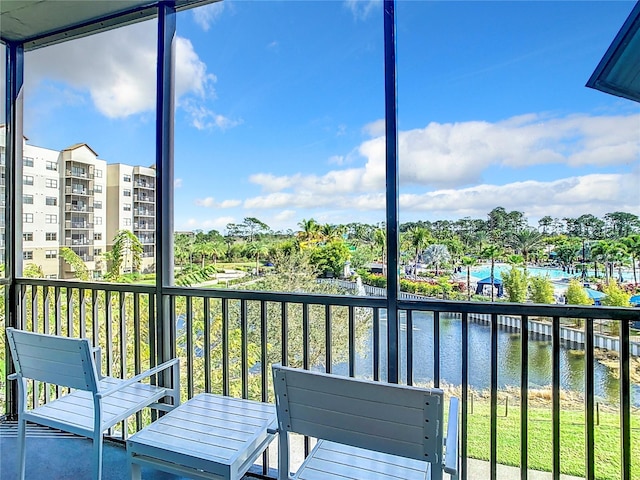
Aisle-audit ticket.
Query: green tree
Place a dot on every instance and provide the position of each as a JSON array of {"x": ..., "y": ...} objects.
[
  {"x": 436, "y": 255},
  {"x": 526, "y": 242},
  {"x": 126, "y": 250},
  {"x": 615, "y": 296},
  {"x": 632, "y": 242},
  {"x": 78, "y": 265},
  {"x": 33, "y": 270},
  {"x": 256, "y": 250},
  {"x": 541, "y": 289},
  {"x": 468, "y": 262},
  {"x": 516, "y": 284},
  {"x": 331, "y": 257},
  {"x": 493, "y": 253},
  {"x": 419, "y": 238},
  {"x": 576, "y": 294}
]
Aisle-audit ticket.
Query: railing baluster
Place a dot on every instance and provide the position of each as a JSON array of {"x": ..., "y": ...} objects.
[
  {"x": 284, "y": 333},
  {"x": 524, "y": 397},
  {"x": 352, "y": 341},
  {"x": 58, "y": 314},
  {"x": 625, "y": 402},
  {"x": 436, "y": 349},
  {"x": 327, "y": 339},
  {"x": 109, "y": 332},
  {"x": 493, "y": 447},
  {"x": 225, "y": 346},
  {"x": 376, "y": 344},
  {"x": 409, "y": 335},
  {"x": 188, "y": 330},
  {"x": 305, "y": 336},
  {"x": 555, "y": 397},
  {"x": 123, "y": 334},
  {"x": 69, "y": 292},
  {"x": 34, "y": 309},
  {"x": 94, "y": 319},
  {"x": 207, "y": 344},
  {"x": 244, "y": 348},
  {"x": 464, "y": 430},
  {"x": 589, "y": 385},
  {"x": 82, "y": 313}
]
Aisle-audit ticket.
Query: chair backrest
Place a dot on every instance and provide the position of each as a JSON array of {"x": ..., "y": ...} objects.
[
  {"x": 395, "y": 419},
  {"x": 63, "y": 361}
]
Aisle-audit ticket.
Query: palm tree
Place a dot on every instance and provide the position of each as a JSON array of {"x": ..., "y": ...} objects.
[
  {"x": 380, "y": 239},
  {"x": 309, "y": 230},
  {"x": 525, "y": 242},
  {"x": 419, "y": 238},
  {"x": 436, "y": 254},
  {"x": 632, "y": 242},
  {"x": 256, "y": 249},
  {"x": 492, "y": 252},
  {"x": 468, "y": 262}
]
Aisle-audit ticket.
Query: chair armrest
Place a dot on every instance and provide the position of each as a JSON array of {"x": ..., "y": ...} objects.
[
  {"x": 451, "y": 441},
  {"x": 137, "y": 378}
]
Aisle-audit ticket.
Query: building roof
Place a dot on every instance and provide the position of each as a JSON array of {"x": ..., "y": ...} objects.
[
  {"x": 618, "y": 73},
  {"x": 46, "y": 22},
  {"x": 80, "y": 145}
]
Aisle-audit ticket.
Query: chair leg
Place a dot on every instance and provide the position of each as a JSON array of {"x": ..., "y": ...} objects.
[
  {"x": 97, "y": 456},
  {"x": 22, "y": 450}
]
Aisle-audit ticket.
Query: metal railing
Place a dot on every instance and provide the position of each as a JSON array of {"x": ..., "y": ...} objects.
[{"x": 227, "y": 341}]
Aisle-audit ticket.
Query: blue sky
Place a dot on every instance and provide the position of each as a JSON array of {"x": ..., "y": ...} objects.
[{"x": 280, "y": 109}]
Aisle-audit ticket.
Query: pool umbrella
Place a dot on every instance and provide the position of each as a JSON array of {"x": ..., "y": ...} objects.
[{"x": 635, "y": 300}]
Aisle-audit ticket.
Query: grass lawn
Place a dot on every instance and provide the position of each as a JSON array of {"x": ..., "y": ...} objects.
[{"x": 572, "y": 440}]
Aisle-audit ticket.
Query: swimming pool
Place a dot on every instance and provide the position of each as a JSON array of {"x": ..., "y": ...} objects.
[{"x": 484, "y": 271}]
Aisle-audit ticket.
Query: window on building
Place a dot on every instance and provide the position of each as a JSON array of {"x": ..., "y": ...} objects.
[
  {"x": 50, "y": 218},
  {"x": 97, "y": 220},
  {"x": 51, "y": 254},
  {"x": 97, "y": 251},
  {"x": 97, "y": 189},
  {"x": 27, "y": 218},
  {"x": 51, "y": 201},
  {"x": 53, "y": 276},
  {"x": 51, "y": 183},
  {"x": 27, "y": 237},
  {"x": 27, "y": 255},
  {"x": 126, "y": 222},
  {"x": 97, "y": 204},
  {"x": 52, "y": 165},
  {"x": 27, "y": 161},
  {"x": 27, "y": 199},
  {"x": 126, "y": 193},
  {"x": 126, "y": 178},
  {"x": 97, "y": 236},
  {"x": 126, "y": 207},
  {"x": 98, "y": 173},
  {"x": 51, "y": 236},
  {"x": 27, "y": 180}
]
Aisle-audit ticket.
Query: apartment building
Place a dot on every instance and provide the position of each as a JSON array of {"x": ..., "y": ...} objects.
[
  {"x": 131, "y": 206},
  {"x": 71, "y": 198}
]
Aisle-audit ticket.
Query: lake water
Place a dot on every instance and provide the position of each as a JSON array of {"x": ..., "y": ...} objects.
[{"x": 572, "y": 368}]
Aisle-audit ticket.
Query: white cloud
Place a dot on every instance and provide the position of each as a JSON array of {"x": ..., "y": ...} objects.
[
  {"x": 207, "y": 15},
  {"x": 374, "y": 129},
  {"x": 361, "y": 9},
  {"x": 203, "y": 118},
  {"x": 448, "y": 170},
  {"x": 117, "y": 69},
  {"x": 177, "y": 183},
  {"x": 218, "y": 223},
  {"x": 210, "y": 202}
]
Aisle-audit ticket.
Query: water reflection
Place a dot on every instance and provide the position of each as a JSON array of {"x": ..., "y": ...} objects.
[{"x": 572, "y": 368}]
